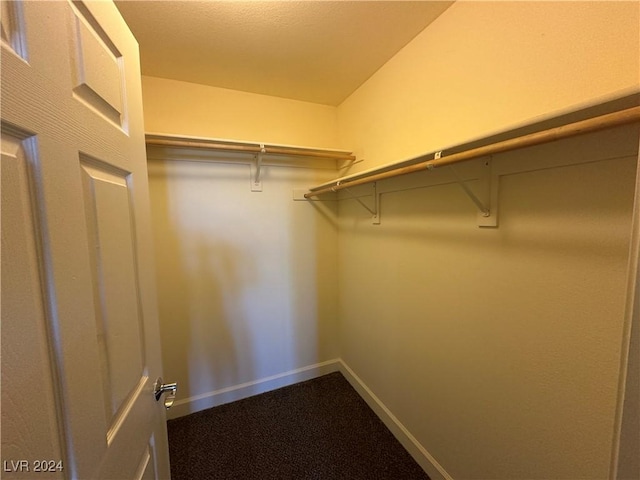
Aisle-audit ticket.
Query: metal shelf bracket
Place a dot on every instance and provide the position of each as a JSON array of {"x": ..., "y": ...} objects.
[
  {"x": 375, "y": 211},
  {"x": 256, "y": 167},
  {"x": 487, "y": 202}
]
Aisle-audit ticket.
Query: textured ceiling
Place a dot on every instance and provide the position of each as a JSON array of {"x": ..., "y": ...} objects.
[{"x": 315, "y": 51}]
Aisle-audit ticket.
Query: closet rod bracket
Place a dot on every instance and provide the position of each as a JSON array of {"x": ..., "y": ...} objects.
[
  {"x": 484, "y": 210},
  {"x": 489, "y": 181},
  {"x": 375, "y": 211},
  {"x": 487, "y": 199},
  {"x": 256, "y": 170}
]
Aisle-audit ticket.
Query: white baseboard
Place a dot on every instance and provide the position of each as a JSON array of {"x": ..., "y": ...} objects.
[
  {"x": 243, "y": 390},
  {"x": 428, "y": 463}
]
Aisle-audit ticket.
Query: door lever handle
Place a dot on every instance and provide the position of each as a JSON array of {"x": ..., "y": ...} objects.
[{"x": 170, "y": 388}]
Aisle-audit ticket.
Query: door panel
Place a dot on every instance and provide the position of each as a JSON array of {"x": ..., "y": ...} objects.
[
  {"x": 12, "y": 28},
  {"x": 77, "y": 173},
  {"x": 98, "y": 77},
  {"x": 118, "y": 322},
  {"x": 145, "y": 469},
  {"x": 29, "y": 421}
]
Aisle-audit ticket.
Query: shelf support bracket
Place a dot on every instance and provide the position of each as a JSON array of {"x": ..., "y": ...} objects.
[
  {"x": 484, "y": 210},
  {"x": 488, "y": 208},
  {"x": 256, "y": 168},
  {"x": 375, "y": 211}
]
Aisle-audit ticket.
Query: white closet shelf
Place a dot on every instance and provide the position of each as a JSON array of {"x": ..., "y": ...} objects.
[
  {"x": 174, "y": 141},
  {"x": 438, "y": 159}
]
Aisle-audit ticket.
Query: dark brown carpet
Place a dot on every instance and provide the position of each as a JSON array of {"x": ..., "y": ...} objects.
[{"x": 320, "y": 429}]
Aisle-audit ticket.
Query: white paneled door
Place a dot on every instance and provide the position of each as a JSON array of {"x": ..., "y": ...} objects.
[{"x": 80, "y": 340}]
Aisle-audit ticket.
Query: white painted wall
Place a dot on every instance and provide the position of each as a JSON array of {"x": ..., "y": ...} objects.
[
  {"x": 175, "y": 107},
  {"x": 498, "y": 350},
  {"x": 247, "y": 280},
  {"x": 486, "y": 67}
]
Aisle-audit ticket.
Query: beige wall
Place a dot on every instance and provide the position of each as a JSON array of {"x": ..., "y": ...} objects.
[
  {"x": 484, "y": 67},
  {"x": 185, "y": 108},
  {"x": 247, "y": 280},
  {"x": 497, "y": 349}
]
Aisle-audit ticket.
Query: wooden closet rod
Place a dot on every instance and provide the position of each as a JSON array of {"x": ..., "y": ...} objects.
[
  {"x": 248, "y": 148},
  {"x": 602, "y": 122}
]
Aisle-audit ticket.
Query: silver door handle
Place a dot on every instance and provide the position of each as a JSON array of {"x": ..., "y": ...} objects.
[{"x": 171, "y": 388}]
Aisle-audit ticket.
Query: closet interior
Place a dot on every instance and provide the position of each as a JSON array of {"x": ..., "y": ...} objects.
[{"x": 483, "y": 309}]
